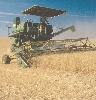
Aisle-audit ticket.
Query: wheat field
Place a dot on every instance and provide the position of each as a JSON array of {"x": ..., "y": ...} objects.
[{"x": 65, "y": 76}]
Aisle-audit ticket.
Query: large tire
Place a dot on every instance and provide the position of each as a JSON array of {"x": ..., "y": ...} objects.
[{"x": 6, "y": 59}]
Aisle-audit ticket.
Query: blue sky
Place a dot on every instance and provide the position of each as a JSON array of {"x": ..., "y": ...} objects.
[{"x": 81, "y": 14}]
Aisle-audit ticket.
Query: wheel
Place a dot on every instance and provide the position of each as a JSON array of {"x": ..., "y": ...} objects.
[{"x": 6, "y": 59}]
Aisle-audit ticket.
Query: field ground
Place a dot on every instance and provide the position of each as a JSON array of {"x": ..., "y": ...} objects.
[{"x": 70, "y": 76}]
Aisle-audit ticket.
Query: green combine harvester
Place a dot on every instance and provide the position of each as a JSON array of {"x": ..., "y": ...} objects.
[{"x": 31, "y": 39}]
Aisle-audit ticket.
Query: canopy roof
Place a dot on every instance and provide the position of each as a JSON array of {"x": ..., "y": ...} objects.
[{"x": 43, "y": 11}]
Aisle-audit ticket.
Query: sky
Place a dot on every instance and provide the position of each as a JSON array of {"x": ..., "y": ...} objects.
[{"x": 81, "y": 14}]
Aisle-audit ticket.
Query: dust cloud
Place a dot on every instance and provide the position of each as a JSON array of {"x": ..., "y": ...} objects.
[{"x": 83, "y": 29}]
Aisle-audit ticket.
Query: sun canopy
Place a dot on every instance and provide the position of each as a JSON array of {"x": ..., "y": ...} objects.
[{"x": 43, "y": 11}]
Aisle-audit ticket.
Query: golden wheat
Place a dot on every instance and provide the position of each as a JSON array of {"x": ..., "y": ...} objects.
[{"x": 68, "y": 76}]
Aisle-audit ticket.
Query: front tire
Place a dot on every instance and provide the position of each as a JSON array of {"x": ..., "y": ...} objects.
[{"x": 6, "y": 59}]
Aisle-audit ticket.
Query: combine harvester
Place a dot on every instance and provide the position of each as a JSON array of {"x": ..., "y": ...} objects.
[{"x": 31, "y": 39}]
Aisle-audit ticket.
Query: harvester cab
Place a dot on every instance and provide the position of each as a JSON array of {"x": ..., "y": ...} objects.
[{"x": 37, "y": 31}]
